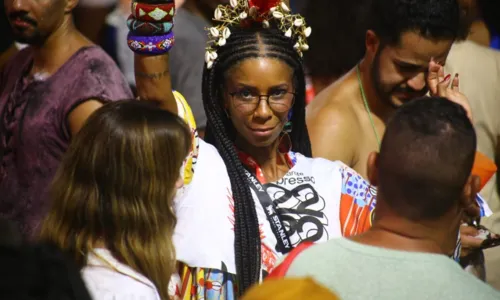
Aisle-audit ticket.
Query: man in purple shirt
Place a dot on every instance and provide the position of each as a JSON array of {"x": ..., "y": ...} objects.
[{"x": 47, "y": 91}]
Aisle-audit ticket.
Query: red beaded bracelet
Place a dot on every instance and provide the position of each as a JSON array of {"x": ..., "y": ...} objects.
[{"x": 153, "y": 12}]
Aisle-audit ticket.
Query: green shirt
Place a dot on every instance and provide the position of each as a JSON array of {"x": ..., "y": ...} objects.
[{"x": 357, "y": 271}]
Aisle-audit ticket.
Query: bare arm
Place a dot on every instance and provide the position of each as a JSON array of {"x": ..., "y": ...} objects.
[
  {"x": 331, "y": 135},
  {"x": 80, "y": 114},
  {"x": 152, "y": 76}
]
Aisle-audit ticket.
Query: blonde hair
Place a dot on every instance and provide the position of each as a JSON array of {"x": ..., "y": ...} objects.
[{"x": 116, "y": 186}]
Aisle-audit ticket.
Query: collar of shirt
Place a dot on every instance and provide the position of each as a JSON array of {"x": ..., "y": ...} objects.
[{"x": 100, "y": 257}]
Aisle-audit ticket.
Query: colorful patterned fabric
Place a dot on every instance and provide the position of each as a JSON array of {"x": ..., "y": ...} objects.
[
  {"x": 317, "y": 199},
  {"x": 199, "y": 284},
  {"x": 184, "y": 111}
]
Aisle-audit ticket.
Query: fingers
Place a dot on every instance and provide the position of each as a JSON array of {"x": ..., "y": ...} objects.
[
  {"x": 469, "y": 231},
  {"x": 467, "y": 237},
  {"x": 455, "y": 83},
  {"x": 433, "y": 77},
  {"x": 442, "y": 87},
  {"x": 441, "y": 73},
  {"x": 471, "y": 242}
]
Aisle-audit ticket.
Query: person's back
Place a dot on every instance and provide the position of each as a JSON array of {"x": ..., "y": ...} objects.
[
  {"x": 425, "y": 193},
  {"x": 357, "y": 271}
]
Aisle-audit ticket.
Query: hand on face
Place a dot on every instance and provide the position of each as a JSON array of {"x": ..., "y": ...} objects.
[{"x": 446, "y": 87}]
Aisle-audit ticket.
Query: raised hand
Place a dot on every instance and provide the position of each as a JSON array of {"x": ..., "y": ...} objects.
[
  {"x": 151, "y": 38},
  {"x": 446, "y": 86}
]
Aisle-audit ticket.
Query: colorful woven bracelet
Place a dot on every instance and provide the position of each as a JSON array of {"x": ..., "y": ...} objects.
[
  {"x": 155, "y": 2},
  {"x": 153, "y": 45},
  {"x": 153, "y": 12},
  {"x": 148, "y": 28}
]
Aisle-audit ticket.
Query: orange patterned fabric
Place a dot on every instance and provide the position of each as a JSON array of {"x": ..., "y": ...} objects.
[{"x": 483, "y": 167}]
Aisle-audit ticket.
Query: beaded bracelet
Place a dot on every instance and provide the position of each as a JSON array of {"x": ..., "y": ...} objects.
[
  {"x": 155, "y": 2},
  {"x": 148, "y": 28},
  {"x": 153, "y": 12},
  {"x": 153, "y": 45}
]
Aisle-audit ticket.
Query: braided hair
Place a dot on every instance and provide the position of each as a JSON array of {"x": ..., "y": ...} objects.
[{"x": 246, "y": 43}]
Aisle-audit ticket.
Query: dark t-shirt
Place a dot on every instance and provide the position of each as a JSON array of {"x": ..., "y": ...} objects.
[
  {"x": 187, "y": 59},
  {"x": 34, "y": 133}
]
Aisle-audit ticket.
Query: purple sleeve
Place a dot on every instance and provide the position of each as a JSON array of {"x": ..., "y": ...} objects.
[{"x": 98, "y": 79}]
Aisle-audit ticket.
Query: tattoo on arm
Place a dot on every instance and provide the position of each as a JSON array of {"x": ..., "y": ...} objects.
[{"x": 156, "y": 75}]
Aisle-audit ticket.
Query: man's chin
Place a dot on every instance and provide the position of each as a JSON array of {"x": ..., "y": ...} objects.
[
  {"x": 29, "y": 40},
  {"x": 398, "y": 101}
]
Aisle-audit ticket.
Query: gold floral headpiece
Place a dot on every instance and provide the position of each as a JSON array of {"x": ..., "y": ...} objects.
[{"x": 245, "y": 12}]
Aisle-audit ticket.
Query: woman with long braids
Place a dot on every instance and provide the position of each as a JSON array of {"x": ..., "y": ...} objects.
[{"x": 256, "y": 194}]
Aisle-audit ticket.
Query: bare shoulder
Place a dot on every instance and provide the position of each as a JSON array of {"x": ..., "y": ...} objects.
[{"x": 333, "y": 124}]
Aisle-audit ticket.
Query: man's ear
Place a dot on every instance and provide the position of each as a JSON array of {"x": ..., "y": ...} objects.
[
  {"x": 372, "y": 43},
  {"x": 372, "y": 168},
  {"x": 468, "y": 200},
  {"x": 70, "y": 5}
]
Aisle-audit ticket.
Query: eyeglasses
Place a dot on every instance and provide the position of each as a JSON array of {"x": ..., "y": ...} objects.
[{"x": 278, "y": 101}]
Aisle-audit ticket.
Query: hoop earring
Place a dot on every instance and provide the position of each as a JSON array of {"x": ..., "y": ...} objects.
[{"x": 285, "y": 144}]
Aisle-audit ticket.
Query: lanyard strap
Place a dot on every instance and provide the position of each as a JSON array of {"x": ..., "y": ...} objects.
[
  {"x": 278, "y": 228},
  {"x": 251, "y": 164}
]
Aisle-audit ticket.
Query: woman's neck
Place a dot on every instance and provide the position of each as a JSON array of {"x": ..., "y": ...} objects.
[{"x": 271, "y": 162}]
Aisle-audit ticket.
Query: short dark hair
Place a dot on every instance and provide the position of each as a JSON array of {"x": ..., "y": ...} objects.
[
  {"x": 337, "y": 41},
  {"x": 426, "y": 158},
  {"x": 433, "y": 19}
]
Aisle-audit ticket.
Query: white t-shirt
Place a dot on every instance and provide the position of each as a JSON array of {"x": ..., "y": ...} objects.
[
  {"x": 108, "y": 279},
  {"x": 317, "y": 200}
]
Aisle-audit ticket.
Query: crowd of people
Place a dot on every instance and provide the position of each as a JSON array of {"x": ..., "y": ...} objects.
[{"x": 210, "y": 149}]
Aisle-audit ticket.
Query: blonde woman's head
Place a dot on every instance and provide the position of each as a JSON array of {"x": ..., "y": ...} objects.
[{"x": 115, "y": 187}]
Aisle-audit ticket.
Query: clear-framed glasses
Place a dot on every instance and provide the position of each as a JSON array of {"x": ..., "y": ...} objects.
[{"x": 247, "y": 102}]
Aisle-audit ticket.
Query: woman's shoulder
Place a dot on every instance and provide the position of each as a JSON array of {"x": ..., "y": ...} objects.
[
  {"x": 210, "y": 174},
  {"x": 320, "y": 163},
  {"x": 327, "y": 169}
]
